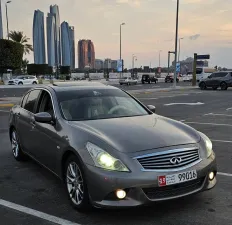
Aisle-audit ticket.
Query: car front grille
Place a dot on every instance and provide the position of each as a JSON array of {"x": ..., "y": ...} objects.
[
  {"x": 171, "y": 159},
  {"x": 174, "y": 190}
]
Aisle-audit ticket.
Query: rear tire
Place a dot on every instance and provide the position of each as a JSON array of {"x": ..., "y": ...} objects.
[
  {"x": 20, "y": 83},
  {"x": 34, "y": 82},
  {"x": 224, "y": 86},
  {"x": 76, "y": 185},
  {"x": 202, "y": 86}
]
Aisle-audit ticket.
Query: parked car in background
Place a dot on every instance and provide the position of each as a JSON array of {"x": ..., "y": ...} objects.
[
  {"x": 109, "y": 149},
  {"x": 203, "y": 73},
  {"x": 170, "y": 78},
  {"x": 128, "y": 81},
  {"x": 221, "y": 79},
  {"x": 188, "y": 77},
  {"x": 23, "y": 80},
  {"x": 146, "y": 78}
]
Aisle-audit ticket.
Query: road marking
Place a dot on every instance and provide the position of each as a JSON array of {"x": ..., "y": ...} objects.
[
  {"x": 213, "y": 124},
  {"x": 223, "y": 141},
  {"x": 196, "y": 103},
  {"x": 147, "y": 98},
  {"x": 7, "y": 105},
  {"x": 6, "y": 111},
  {"x": 36, "y": 213},
  {"x": 215, "y": 114},
  {"x": 228, "y": 109},
  {"x": 225, "y": 174},
  {"x": 182, "y": 120}
]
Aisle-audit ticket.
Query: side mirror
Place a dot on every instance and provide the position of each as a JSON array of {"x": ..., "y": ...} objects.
[
  {"x": 43, "y": 117},
  {"x": 151, "y": 108}
]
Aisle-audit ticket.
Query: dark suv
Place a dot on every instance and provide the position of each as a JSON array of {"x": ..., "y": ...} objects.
[
  {"x": 216, "y": 80},
  {"x": 170, "y": 78},
  {"x": 146, "y": 78}
]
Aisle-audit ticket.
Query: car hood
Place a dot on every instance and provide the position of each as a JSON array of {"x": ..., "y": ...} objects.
[{"x": 140, "y": 133}]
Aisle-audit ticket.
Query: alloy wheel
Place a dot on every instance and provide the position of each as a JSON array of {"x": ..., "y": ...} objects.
[
  {"x": 15, "y": 144},
  {"x": 75, "y": 184}
]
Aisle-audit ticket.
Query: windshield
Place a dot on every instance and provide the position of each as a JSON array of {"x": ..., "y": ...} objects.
[
  {"x": 199, "y": 70},
  {"x": 98, "y": 104}
]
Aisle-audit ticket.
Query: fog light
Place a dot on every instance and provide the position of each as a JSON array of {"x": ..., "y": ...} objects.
[
  {"x": 211, "y": 175},
  {"x": 121, "y": 194}
]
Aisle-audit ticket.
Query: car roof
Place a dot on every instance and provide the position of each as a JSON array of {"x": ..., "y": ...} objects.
[
  {"x": 58, "y": 87},
  {"x": 78, "y": 83}
]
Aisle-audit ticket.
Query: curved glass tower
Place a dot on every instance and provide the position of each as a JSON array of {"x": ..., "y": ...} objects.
[
  {"x": 54, "y": 10},
  {"x": 51, "y": 40},
  {"x": 65, "y": 43},
  {"x": 39, "y": 38}
]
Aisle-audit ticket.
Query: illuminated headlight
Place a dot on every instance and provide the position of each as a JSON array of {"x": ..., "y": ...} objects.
[
  {"x": 104, "y": 160},
  {"x": 208, "y": 144}
]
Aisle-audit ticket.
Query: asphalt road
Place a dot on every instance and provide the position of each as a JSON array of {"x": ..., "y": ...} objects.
[
  {"x": 29, "y": 185},
  {"x": 17, "y": 91}
]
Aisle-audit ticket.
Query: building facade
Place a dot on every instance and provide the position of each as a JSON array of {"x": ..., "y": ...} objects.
[
  {"x": 1, "y": 28},
  {"x": 72, "y": 44},
  {"x": 39, "y": 38},
  {"x": 51, "y": 40},
  {"x": 54, "y": 10},
  {"x": 99, "y": 64},
  {"x": 65, "y": 44},
  {"x": 86, "y": 54}
]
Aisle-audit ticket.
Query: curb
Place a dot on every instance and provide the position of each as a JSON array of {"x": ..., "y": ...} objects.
[{"x": 7, "y": 105}]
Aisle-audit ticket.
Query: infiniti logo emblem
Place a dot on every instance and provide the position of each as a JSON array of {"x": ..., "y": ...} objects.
[{"x": 175, "y": 160}]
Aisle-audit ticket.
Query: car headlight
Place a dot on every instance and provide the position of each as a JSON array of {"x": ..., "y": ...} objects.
[
  {"x": 104, "y": 160},
  {"x": 208, "y": 144}
]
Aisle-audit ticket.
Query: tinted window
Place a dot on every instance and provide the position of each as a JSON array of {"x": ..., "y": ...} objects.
[
  {"x": 220, "y": 74},
  {"x": 199, "y": 70},
  {"x": 24, "y": 100},
  {"x": 31, "y": 101},
  {"x": 98, "y": 104},
  {"x": 45, "y": 104}
]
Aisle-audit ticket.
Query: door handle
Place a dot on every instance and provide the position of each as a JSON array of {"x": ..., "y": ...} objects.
[
  {"x": 32, "y": 123},
  {"x": 18, "y": 114}
]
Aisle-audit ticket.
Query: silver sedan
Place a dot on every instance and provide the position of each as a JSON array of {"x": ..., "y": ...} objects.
[
  {"x": 108, "y": 148},
  {"x": 128, "y": 81}
]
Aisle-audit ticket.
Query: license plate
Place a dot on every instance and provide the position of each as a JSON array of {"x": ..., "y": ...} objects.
[{"x": 177, "y": 178}]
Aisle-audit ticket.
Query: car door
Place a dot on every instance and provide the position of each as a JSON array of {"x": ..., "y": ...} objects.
[
  {"x": 210, "y": 80},
  {"x": 45, "y": 135},
  {"x": 24, "y": 119},
  {"x": 219, "y": 78}
]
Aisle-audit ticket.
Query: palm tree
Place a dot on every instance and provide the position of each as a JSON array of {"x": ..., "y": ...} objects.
[{"x": 19, "y": 37}]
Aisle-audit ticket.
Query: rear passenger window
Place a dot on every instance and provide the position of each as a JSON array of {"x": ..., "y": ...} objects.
[{"x": 31, "y": 100}]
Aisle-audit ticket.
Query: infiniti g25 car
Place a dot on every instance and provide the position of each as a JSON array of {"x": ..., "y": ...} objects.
[{"x": 108, "y": 148}]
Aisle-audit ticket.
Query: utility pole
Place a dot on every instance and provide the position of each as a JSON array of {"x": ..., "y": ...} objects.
[{"x": 176, "y": 41}]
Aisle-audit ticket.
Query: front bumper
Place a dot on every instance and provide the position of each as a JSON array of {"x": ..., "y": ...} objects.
[{"x": 142, "y": 187}]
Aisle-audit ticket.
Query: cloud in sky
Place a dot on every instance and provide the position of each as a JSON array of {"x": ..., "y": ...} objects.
[{"x": 150, "y": 26}]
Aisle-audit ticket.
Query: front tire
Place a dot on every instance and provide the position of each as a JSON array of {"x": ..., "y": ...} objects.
[
  {"x": 20, "y": 83},
  {"x": 76, "y": 185},
  {"x": 15, "y": 146},
  {"x": 34, "y": 82},
  {"x": 202, "y": 86},
  {"x": 224, "y": 86}
]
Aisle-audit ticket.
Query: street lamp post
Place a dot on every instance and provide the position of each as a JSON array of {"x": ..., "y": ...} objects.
[
  {"x": 179, "y": 49},
  {"x": 159, "y": 56},
  {"x": 133, "y": 62},
  {"x": 122, "y": 24},
  {"x": 176, "y": 40},
  {"x": 7, "y": 19}
]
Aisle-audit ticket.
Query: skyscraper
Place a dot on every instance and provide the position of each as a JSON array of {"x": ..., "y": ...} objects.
[
  {"x": 51, "y": 40},
  {"x": 54, "y": 10},
  {"x": 39, "y": 38},
  {"x": 72, "y": 43},
  {"x": 65, "y": 44},
  {"x": 86, "y": 54},
  {"x": 1, "y": 28},
  {"x": 68, "y": 45}
]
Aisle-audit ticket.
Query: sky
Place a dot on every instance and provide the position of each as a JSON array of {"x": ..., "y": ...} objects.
[{"x": 205, "y": 25}]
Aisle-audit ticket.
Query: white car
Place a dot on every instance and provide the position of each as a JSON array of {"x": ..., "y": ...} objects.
[
  {"x": 188, "y": 77},
  {"x": 128, "y": 81},
  {"x": 21, "y": 80}
]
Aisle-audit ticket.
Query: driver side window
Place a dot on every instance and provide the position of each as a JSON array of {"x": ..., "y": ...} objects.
[{"x": 45, "y": 104}]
